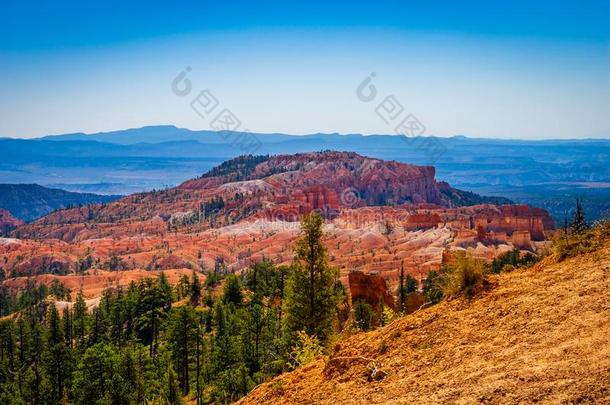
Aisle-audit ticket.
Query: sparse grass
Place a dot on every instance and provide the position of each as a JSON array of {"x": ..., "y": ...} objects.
[
  {"x": 277, "y": 387},
  {"x": 465, "y": 276},
  {"x": 578, "y": 243},
  {"x": 306, "y": 349}
]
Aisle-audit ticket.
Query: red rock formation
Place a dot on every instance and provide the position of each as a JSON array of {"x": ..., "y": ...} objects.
[
  {"x": 314, "y": 198},
  {"x": 7, "y": 221},
  {"x": 371, "y": 288},
  {"x": 413, "y": 302},
  {"x": 488, "y": 220},
  {"x": 183, "y": 228},
  {"x": 422, "y": 221},
  {"x": 522, "y": 239}
]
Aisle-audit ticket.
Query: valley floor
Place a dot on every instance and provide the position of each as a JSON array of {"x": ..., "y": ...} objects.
[{"x": 536, "y": 335}]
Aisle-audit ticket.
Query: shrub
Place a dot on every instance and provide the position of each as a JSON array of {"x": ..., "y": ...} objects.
[
  {"x": 277, "y": 387},
  {"x": 432, "y": 287},
  {"x": 305, "y": 350},
  {"x": 364, "y": 316},
  {"x": 511, "y": 260},
  {"x": 383, "y": 347},
  {"x": 388, "y": 315},
  {"x": 465, "y": 275},
  {"x": 570, "y": 244}
]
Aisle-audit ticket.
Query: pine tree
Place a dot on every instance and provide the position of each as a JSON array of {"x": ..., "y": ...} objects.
[
  {"x": 79, "y": 318},
  {"x": 199, "y": 344},
  {"x": 411, "y": 284},
  {"x": 579, "y": 223},
  {"x": 96, "y": 376},
  {"x": 166, "y": 294},
  {"x": 310, "y": 300},
  {"x": 98, "y": 327},
  {"x": 401, "y": 288},
  {"x": 182, "y": 338},
  {"x": 173, "y": 393},
  {"x": 117, "y": 320},
  {"x": 67, "y": 321},
  {"x": 255, "y": 321},
  {"x": 37, "y": 351},
  {"x": 183, "y": 287},
  {"x": 407, "y": 285},
  {"x": 24, "y": 342},
  {"x": 195, "y": 290},
  {"x": 232, "y": 290},
  {"x": 56, "y": 359},
  {"x": 364, "y": 316}
]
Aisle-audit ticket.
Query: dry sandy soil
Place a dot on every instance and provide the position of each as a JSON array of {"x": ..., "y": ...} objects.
[{"x": 536, "y": 335}]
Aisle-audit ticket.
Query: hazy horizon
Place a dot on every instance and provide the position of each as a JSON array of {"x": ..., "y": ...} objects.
[{"x": 38, "y": 136}]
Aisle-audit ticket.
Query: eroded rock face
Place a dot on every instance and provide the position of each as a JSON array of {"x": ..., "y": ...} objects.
[
  {"x": 424, "y": 220},
  {"x": 344, "y": 178},
  {"x": 286, "y": 187},
  {"x": 43, "y": 264},
  {"x": 413, "y": 302},
  {"x": 491, "y": 222},
  {"x": 248, "y": 209},
  {"x": 522, "y": 240},
  {"x": 7, "y": 221},
  {"x": 370, "y": 288}
]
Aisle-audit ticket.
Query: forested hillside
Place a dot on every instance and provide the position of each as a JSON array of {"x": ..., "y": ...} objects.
[{"x": 31, "y": 201}]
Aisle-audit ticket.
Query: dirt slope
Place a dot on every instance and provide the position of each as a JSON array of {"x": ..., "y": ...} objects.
[{"x": 538, "y": 335}]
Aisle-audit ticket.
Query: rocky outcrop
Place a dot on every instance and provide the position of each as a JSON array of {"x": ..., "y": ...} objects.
[
  {"x": 7, "y": 221},
  {"x": 370, "y": 288},
  {"x": 425, "y": 220},
  {"x": 413, "y": 302},
  {"x": 346, "y": 178},
  {"x": 522, "y": 240},
  {"x": 492, "y": 222},
  {"x": 315, "y": 198},
  {"x": 286, "y": 187},
  {"x": 43, "y": 264}
]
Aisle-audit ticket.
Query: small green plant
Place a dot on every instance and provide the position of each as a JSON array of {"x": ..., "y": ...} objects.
[
  {"x": 278, "y": 387},
  {"x": 432, "y": 286},
  {"x": 511, "y": 260},
  {"x": 306, "y": 349},
  {"x": 388, "y": 315},
  {"x": 465, "y": 276}
]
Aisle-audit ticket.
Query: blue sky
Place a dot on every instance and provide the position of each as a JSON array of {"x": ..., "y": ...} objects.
[{"x": 487, "y": 69}]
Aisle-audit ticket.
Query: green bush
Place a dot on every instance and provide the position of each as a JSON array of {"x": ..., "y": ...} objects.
[
  {"x": 306, "y": 349},
  {"x": 465, "y": 276},
  {"x": 364, "y": 316},
  {"x": 511, "y": 260},
  {"x": 432, "y": 286}
]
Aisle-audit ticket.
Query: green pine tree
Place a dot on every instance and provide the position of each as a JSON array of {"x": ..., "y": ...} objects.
[
  {"x": 56, "y": 359},
  {"x": 232, "y": 290},
  {"x": 79, "y": 318},
  {"x": 310, "y": 299},
  {"x": 579, "y": 223},
  {"x": 182, "y": 335}
]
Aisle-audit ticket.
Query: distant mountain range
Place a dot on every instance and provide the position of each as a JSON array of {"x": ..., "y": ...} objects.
[
  {"x": 30, "y": 201},
  {"x": 549, "y": 173}
]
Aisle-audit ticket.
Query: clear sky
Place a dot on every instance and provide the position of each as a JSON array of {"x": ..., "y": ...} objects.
[{"x": 514, "y": 69}]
